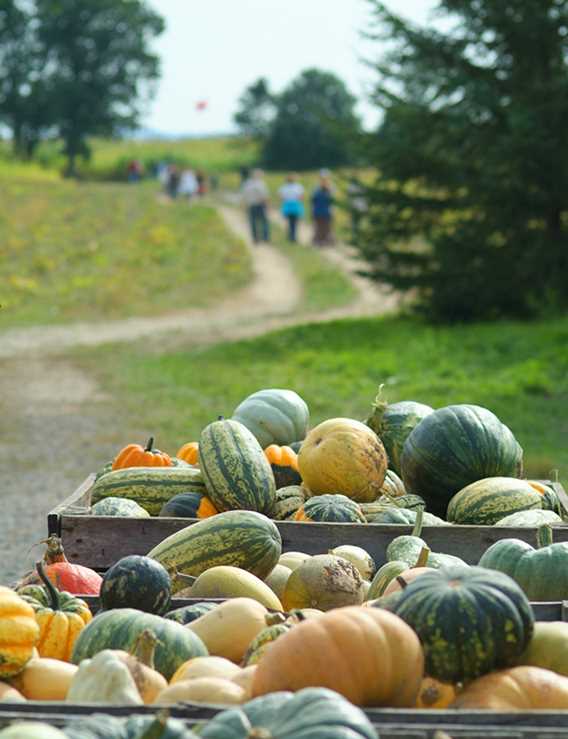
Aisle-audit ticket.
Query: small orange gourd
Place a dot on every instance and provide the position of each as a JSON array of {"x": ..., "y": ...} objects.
[
  {"x": 135, "y": 455},
  {"x": 435, "y": 694},
  {"x": 284, "y": 463},
  {"x": 189, "y": 452}
]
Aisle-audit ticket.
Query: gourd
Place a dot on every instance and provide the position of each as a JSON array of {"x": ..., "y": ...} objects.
[
  {"x": 215, "y": 691},
  {"x": 140, "y": 662},
  {"x": 277, "y": 624},
  {"x": 189, "y": 452},
  {"x": 242, "y": 539},
  {"x": 292, "y": 560},
  {"x": 393, "y": 486},
  {"x": 236, "y": 472},
  {"x": 548, "y": 647},
  {"x": 19, "y": 633},
  {"x": 386, "y": 651},
  {"x": 104, "y": 679},
  {"x": 323, "y": 582},
  {"x": 274, "y": 416},
  {"x": 288, "y": 500},
  {"x": 330, "y": 508},
  {"x": 119, "y": 507},
  {"x": 516, "y": 689},
  {"x": 9, "y": 694},
  {"x": 489, "y": 607},
  {"x": 358, "y": 557},
  {"x": 104, "y": 726},
  {"x": 277, "y": 580},
  {"x": 187, "y": 614},
  {"x": 136, "y": 582},
  {"x": 407, "y": 548},
  {"x": 384, "y": 514},
  {"x": 205, "y": 667},
  {"x": 530, "y": 519},
  {"x": 31, "y": 730},
  {"x": 401, "y": 579},
  {"x": 307, "y": 714},
  {"x": 284, "y": 463},
  {"x": 393, "y": 423},
  {"x": 188, "y": 505},
  {"x": 231, "y": 582},
  {"x": 45, "y": 679},
  {"x": 542, "y": 573},
  {"x": 344, "y": 456},
  {"x": 435, "y": 694},
  {"x": 229, "y": 629},
  {"x": 135, "y": 455},
  {"x": 485, "y": 501},
  {"x": 453, "y": 447}
]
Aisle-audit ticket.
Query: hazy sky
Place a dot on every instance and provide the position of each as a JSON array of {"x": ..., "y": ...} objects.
[{"x": 211, "y": 50}]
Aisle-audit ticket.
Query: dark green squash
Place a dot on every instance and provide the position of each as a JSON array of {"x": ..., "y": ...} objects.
[
  {"x": 136, "y": 582},
  {"x": 288, "y": 500},
  {"x": 121, "y": 627},
  {"x": 331, "y": 509},
  {"x": 311, "y": 713},
  {"x": 186, "y": 614},
  {"x": 188, "y": 505},
  {"x": 453, "y": 447},
  {"x": 407, "y": 548},
  {"x": 486, "y": 501},
  {"x": 470, "y": 621}
]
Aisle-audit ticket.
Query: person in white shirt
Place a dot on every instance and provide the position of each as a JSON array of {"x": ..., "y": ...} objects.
[
  {"x": 256, "y": 198},
  {"x": 187, "y": 183},
  {"x": 292, "y": 198}
]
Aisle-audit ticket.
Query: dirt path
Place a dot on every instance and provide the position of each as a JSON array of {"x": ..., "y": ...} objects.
[{"x": 58, "y": 425}]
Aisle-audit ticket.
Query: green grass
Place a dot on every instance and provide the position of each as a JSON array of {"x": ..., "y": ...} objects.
[
  {"x": 88, "y": 252},
  {"x": 519, "y": 371}
]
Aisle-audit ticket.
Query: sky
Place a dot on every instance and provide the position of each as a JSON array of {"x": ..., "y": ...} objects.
[{"x": 212, "y": 50}]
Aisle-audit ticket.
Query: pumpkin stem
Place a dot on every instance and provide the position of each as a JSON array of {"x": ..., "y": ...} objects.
[
  {"x": 544, "y": 536},
  {"x": 144, "y": 647},
  {"x": 187, "y": 579},
  {"x": 271, "y": 619},
  {"x": 52, "y": 591},
  {"x": 149, "y": 444},
  {"x": 220, "y": 418},
  {"x": 157, "y": 728},
  {"x": 422, "y": 560},
  {"x": 401, "y": 581},
  {"x": 417, "y": 530},
  {"x": 378, "y": 408},
  {"x": 54, "y": 552}
]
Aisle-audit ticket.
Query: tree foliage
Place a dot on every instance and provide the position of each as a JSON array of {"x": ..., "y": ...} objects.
[
  {"x": 256, "y": 108},
  {"x": 471, "y": 206}
]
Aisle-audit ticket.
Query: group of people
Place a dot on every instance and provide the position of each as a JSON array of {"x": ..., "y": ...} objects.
[
  {"x": 292, "y": 198},
  {"x": 185, "y": 183}
]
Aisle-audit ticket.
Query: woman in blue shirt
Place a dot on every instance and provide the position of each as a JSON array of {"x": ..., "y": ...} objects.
[{"x": 322, "y": 215}]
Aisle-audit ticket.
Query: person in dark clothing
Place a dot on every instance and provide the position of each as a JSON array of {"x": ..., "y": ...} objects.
[
  {"x": 322, "y": 213},
  {"x": 172, "y": 184}
]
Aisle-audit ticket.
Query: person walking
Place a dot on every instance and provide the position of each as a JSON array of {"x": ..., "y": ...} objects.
[
  {"x": 256, "y": 197},
  {"x": 292, "y": 208},
  {"x": 357, "y": 206},
  {"x": 188, "y": 183},
  {"x": 172, "y": 184},
  {"x": 322, "y": 204}
]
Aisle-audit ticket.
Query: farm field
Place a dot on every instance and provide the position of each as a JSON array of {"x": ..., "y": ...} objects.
[{"x": 519, "y": 371}]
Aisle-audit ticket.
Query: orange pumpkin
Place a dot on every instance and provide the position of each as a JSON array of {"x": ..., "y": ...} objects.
[
  {"x": 434, "y": 694},
  {"x": 284, "y": 463},
  {"x": 517, "y": 689},
  {"x": 135, "y": 455},
  {"x": 368, "y": 655},
  {"x": 189, "y": 452}
]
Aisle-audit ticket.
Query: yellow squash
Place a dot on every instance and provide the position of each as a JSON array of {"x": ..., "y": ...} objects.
[{"x": 19, "y": 633}]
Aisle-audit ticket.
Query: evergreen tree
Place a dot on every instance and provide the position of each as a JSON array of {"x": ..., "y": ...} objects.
[{"x": 470, "y": 210}]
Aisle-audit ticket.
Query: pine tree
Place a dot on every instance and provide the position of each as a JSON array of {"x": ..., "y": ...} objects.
[{"x": 470, "y": 209}]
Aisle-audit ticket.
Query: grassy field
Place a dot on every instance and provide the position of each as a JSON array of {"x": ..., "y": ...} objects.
[
  {"x": 88, "y": 252},
  {"x": 519, "y": 371}
]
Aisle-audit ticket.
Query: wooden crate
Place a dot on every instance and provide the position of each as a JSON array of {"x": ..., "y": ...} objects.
[{"x": 99, "y": 541}]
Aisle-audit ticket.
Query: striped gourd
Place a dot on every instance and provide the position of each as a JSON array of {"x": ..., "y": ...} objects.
[
  {"x": 119, "y": 507},
  {"x": 235, "y": 469},
  {"x": 242, "y": 539},
  {"x": 288, "y": 500},
  {"x": 486, "y": 501},
  {"x": 150, "y": 487}
]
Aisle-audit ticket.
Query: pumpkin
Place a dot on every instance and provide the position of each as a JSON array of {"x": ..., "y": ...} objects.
[
  {"x": 225, "y": 581},
  {"x": 288, "y": 500},
  {"x": 444, "y": 605},
  {"x": 189, "y": 505},
  {"x": 45, "y": 679},
  {"x": 135, "y": 455},
  {"x": 387, "y": 654},
  {"x": 120, "y": 629},
  {"x": 358, "y": 557},
  {"x": 529, "y": 519},
  {"x": 104, "y": 726},
  {"x": 284, "y": 463},
  {"x": 9, "y": 694},
  {"x": 516, "y": 689},
  {"x": 71, "y": 578},
  {"x": 19, "y": 633},
  {"x": 60, "y": 620},
  {"x": 434, "y": 694},
  {"x": 453, "y": 447},
  {"x": 394, "y": 422},
  {"x": 205, "y": 667},
  {"x": 31, "y": 730},
  {"x": 277, "y": 579},
  {"x": 307, "y": 714},
  {"x": 330, "y": 509},
  {"x": 292, "y": 560},
  {"x": 274, "y": 416},
  {"x": 343, "y": 455},
  {"x": 215, "y": 691},
  {"x": 485, "y": 501},
  {"x": 136, "y": 582},
  {"x": 189, "y": 452},
  {"x": 323, "y": 582},
  {"x": 542, "y": 573},
  {"x": 187, "y": 614},
  {"x": 119, "y": 507}
]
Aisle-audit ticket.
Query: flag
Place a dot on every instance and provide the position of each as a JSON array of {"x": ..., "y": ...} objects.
[{"x": 201, "y": 105}]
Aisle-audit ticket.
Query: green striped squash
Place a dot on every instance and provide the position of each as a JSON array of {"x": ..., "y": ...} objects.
[
  {"x": 393, "y": 487},
  {"x": 288, "y": 500},
  {"x": 529, "y": 519},
  {"x": 119, "y": 507},
  {"x": 486, "y": 501},
  {"x": 121, "y": 627},
  {"x": 330, "y": 509},
  {"x": 186, "y": 614},
  {"x": 244, "y": 539},
  {"x": 150, "y": 487},
  {"x": 470, "y": 621},
  {"x": 235, "y": 469},
  {"x": 392, "y": 514}
]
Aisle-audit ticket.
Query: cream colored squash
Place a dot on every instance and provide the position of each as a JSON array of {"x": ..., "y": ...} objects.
[
  {"x": 9, "y": 694},
  {"x": 206, "y": 667},
  {"x": 358, "y": 557},
  {"x": 45, "y": 679},
  {"x": 277, "y": 579},
  {"x": 224, "y": 581},
  {"x": 245, "y": 678},
  {"x": 291, "y": 560},
  {"x": 211, "y": 690}
]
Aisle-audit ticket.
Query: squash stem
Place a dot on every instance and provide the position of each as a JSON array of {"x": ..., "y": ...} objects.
[
  {"x": 422, "y": 560},
  {"x": 54, "y": 552},
  {"x": 378, "y": 408},
  {"x": 149, "y": 444},
  {"x": 544, "y": 536},
  {"x": 52, "y": 592},
  {"x": 417, "y": 530},
  {"x": 144, "y": 648}
]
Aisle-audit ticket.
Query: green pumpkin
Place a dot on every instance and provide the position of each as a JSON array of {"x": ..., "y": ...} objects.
[
  {"x": 311, "y": 713},
  {"x": 529, "y": 519},
  {"x": 486, "y": 501},
  {"x": 274, "y": 416},
  {"x": 392, "y": 514},
  {"x": 407, "y": 548},
  {"x": 119, "y": 507},
  {"x": 470, "y": 621},
  {"x": 331, "y": 509},
  {"x": 186, "y": 614},
  {"x": 102, "y": 726},
  {"x": 393, "y": 424},
  {"x": 542, "y": 573},
  {"x": 391, "y": 570},
  {"x": 548, "y": 647},
  {"x": 136, "y": 582},
  {"x": 453, "y": 447},
  {"x": 188, "y": 505},
  {"x": 121, "y": 627}
]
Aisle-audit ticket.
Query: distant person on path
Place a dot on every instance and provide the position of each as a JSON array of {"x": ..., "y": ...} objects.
[
  {"x": 322, "y": 204},
  {"x": 172, "y": 185},
  {"x": 357, "y": 206},
  {"x": 201, "y": 182},
  {"x": 134, "y": 171},
  {"x": 188, "y": 183},
  {"x": 256, "y": 197},
  {"x": 244, "y": 173},
  {"x": 292, "y": 197}
]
